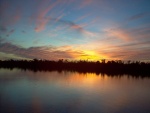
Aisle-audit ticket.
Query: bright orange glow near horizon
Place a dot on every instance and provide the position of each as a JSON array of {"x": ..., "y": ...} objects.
[{"x": 91, "y": 55}]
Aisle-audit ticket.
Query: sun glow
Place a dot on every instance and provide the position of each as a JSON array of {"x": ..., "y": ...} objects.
[{"x": 90, "y": 55}]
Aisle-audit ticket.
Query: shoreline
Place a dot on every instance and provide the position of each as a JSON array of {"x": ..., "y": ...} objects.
[{"x": 110, "y": 68}]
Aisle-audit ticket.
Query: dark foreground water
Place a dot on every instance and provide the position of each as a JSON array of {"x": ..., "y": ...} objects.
[{"x": 66, "y": 92}]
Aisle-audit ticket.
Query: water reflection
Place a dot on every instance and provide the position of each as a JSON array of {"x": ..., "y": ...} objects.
[{"x": 67, "y": 92}]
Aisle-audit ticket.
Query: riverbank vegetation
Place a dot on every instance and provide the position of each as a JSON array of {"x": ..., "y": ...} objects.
[{"x": 114, "y": 67}]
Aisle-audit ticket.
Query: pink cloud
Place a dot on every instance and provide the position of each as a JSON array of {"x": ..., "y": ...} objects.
[
  {"x": 119, "y": 34},
  {"x": 42, "y": 19},
  {"x": 40, "y": 26},
  {"x": 44, "y": 16}
]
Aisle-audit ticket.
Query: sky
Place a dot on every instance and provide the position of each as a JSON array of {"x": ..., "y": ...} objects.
[{"x": 75, "y": 29}]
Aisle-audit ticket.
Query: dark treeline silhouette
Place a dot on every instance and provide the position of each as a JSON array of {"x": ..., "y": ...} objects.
[{"x": 118, "y": 67}]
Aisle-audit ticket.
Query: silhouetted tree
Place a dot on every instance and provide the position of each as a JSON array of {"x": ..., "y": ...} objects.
[{"x": 116, "y": 67}]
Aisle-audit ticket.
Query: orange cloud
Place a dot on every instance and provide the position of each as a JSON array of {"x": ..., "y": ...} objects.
[
  {"x": 43, "y": 52},
  {"x": 119, "y": 34}
]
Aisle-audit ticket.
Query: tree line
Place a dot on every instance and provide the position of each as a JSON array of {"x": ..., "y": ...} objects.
[{"x": 113, "y": 67}]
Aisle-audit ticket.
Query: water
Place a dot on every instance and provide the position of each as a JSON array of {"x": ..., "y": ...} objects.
[{"x": 68, "y": 92}]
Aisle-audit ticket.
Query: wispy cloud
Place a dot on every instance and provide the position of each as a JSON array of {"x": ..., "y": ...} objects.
[
  {"x": 41, "y": 24},
  {"x": 119, "y": 34},
  {"x": 45, "y": 15},
  {"x": 41, "y": 18},
  {"x": 132, "y": 51},
  {"x": 138, "y": 16},
  {"x": 64, "y": 24},
  {"x": 82, "y": 17},
  {"x": 141, "y": 32},
  {"x": 44, "y": 52},
  {"x": 59, "y": 17},
  {"x": 77, "y": 27},
  {"x": 110, "y": 48}
]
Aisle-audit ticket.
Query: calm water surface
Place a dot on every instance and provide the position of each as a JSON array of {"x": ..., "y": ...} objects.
[{"x": 68, "y": 92}]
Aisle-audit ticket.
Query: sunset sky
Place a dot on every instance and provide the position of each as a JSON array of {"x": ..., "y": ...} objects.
[{"x": 75, "y": 29}]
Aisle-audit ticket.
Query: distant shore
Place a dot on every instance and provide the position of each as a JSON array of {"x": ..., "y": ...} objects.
[{"x": 117, "y": 67}]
